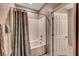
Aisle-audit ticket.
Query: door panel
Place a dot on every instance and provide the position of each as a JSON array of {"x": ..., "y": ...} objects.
[{"x": 60, "y": 33}]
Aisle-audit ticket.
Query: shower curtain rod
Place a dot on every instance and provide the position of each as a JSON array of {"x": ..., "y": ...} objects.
[
  {"x": 32, "y": 12},
  {"x": 29, "y": 11}
]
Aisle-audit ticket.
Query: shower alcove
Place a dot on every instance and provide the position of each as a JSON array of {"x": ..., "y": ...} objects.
[{"x": 37, "y": 33}]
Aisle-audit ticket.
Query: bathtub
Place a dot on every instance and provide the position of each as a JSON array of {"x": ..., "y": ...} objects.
[{"x": 37, "y": 48}]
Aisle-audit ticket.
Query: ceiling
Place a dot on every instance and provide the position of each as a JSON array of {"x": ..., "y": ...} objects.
[
  {"x": 43, "y": 8},
  {"x": 35, "y": 6},
  {"x": 69, "y": 6}
]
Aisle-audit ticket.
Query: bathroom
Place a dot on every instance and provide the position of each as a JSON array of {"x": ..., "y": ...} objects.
[{"x": 33, "y": 29}]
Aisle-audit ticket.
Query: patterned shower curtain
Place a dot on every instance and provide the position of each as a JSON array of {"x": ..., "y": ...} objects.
[{"x": 21, "y": 45}]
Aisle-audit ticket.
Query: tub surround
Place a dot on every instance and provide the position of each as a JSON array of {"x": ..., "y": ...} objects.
[{"x": 37, "y": 48}]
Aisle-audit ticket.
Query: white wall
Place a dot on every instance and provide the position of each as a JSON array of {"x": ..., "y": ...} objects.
[
  {"x": 72, "y": 30},
  {"x": 50, "y": 34},
  {"x": 33, "y": 23},
  {"x": 33, "y": 29},
  {"x": 4, "y": 16},
  {"x": 4, "y": 9}
]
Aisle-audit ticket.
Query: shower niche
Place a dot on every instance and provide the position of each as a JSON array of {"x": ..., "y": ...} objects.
[{"x": 37, "y": 34}]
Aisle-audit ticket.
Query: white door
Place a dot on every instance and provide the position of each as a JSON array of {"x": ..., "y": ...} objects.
[{"x": 60, "y": 33}]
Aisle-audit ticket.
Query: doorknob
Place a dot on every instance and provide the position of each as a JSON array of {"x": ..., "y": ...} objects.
[{"x": 66, "y": 36}]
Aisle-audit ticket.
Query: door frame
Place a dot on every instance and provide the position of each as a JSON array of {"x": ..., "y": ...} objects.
[{"x": 77, "y": 27}]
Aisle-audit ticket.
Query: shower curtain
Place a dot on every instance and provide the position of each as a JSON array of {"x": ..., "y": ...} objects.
[{"x": 21, "y": 42}]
